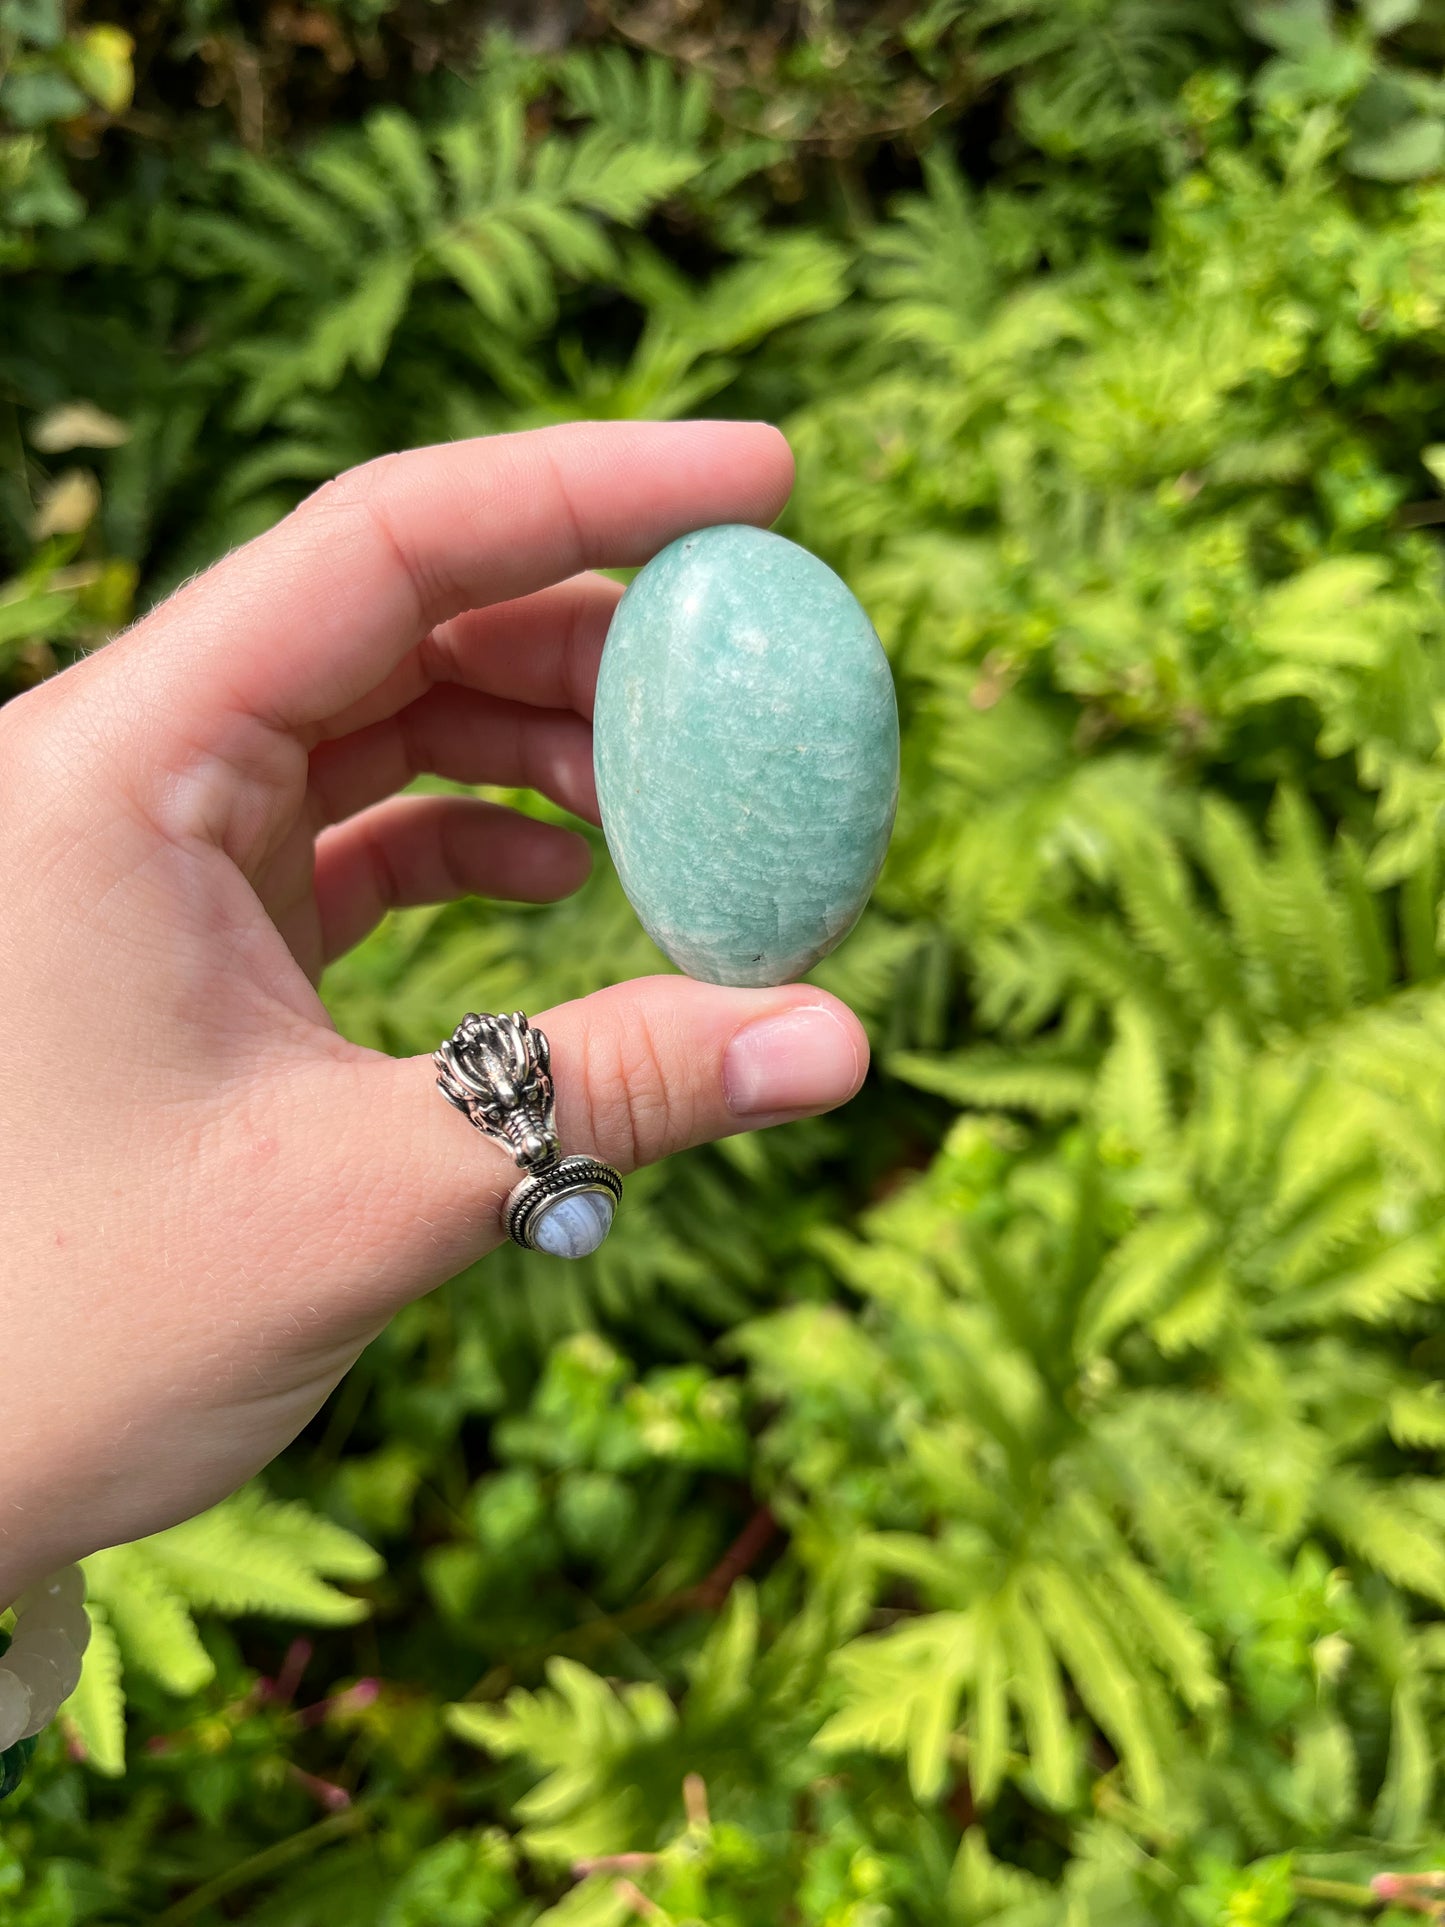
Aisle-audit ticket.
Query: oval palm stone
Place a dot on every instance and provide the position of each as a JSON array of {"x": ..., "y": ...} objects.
[{"x": 746, "y": 748}]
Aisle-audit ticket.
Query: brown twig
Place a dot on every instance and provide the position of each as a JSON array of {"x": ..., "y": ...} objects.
[
  {"x": 614, "y": 1863},
  {"x": 1420, "y": 1893},
  {"x": 694, "y": 1802},
  {"x": 741, "y": 1556},
  {"x": 637, "y": 1900}
]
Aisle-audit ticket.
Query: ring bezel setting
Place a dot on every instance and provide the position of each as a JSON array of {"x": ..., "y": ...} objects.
[{"x": 571, "y": 1177}]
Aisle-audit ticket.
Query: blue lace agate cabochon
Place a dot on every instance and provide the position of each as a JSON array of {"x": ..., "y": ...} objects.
[
  {"x": 746, "y": 747},
  {"x": 573, "y": 1227}
]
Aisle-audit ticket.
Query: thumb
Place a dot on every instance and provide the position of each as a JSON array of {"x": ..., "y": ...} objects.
[{"x": 641, "y": 1070}]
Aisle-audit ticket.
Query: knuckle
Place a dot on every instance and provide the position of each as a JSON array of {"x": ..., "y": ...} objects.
[
  {"x": 356, "y": 488},
  {"x": 385, "y": 883},
  {"x": 452, "y": 855},
  {"x": 41, "y": 736},
  {"x": 364, "y": 501},
  {"x": 633, "y": 1111}
]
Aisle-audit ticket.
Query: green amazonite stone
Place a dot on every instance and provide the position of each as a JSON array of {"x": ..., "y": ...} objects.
[{"x": 746, "y": 745}]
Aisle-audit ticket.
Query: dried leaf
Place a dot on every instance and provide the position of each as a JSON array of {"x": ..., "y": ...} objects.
[
  {"x": 77, "y": 424},
  {"x": 68, "y": 505}
]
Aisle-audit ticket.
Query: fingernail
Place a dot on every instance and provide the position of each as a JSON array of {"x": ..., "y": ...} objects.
[{"x": 803, "y": 1060}]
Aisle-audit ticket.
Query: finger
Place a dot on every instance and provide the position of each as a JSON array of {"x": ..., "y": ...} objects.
[
  {"x": 433, "y": 849},
  {"x": 641, "y": 1070},
  {"x": 652, "y": 1066},
  {"x": 459, "y": 734},
  {"x": 542, "y": 649},
  {"x": 309, "y": 618}
]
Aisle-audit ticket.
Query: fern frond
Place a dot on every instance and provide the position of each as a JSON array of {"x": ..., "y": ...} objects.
[
  {"x": 988, "y": 1724},
  {"x": 151, "y": 1623},
  {"x": 1037, "y": 1687},
  {"x": 1309, "y": 909},
  {"x": 580, "y": 1733},
  {"x": 249, "y": 1554},
  {"x": 355, "y": 332},
  {"x": 287, "y": 204},
  {"x": 1403, "y": 1806},
  {"x": 1417, "y": 1415},
  {"x": 1148, "y": 1272},
  {"x": 359, "y": 188},
  {"x": 1236, "y": 869},
  {"x": 644, "y": 99},
  {"x": 349, "y": 238},
  {"x": 1383, "y": 1525},
  {"x": 1165, "y": 915},
  {"x": 95, "y": 1711},
  {"x": 398, "y": 145},
  {"x": 930, "y": 271},
  {"x": 1110, "y": 1687},
  {"x": 254, "y": 1554},
  {"x": 1131, "y": 1102},
  {"x": 900, "y": 1692},
  {"x": 995, "y": 1079},
  {"x": 1163, "y": 1629}
]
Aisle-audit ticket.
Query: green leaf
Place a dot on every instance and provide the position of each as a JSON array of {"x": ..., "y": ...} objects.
[
  {"x": 153, "y": 1628},
  {"x": 901, "y": 1693},
  {"x": 1409, "y": 151},
  {"x": 252, "y": 1554},
  {"x": 1297, "y": 27},
  {"x": 1039, "y": 1692},
  {"x": 988, "y": 1749},
  {"x": 1109, "y": 1686},
  {"x": 41, "y": 23},
  {"x": 95, "y": 1711},
  {"x": 1403, "y": 1808},
  {"x": 1131, "y": 1101},
  {"x": 721, "y": 1672},
  {"x": 1316, "y": 615},
  {"x": 990, "y": 1079},
  {"x": 1386, "y": 16},
  {"x": 35, "y": 96}
]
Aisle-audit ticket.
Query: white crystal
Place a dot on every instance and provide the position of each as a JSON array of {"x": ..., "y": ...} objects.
[
  {"x": 54, "y": 1646},
  {"x": 571, "y": 1227},
  {"x": 14, "y": 1707},
  {"x": 42, "y": 1677},
  {"x": 65, "y": 1587},
  {"x": 63, "y": 1616}
]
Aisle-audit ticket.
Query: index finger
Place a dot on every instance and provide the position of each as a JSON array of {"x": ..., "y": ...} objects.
[{"x": 315, "y": 614}]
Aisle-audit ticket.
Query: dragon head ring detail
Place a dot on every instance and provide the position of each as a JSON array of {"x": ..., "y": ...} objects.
[{"x": 498, "y": 1070}]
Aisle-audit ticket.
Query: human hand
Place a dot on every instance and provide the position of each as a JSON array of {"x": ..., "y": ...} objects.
[{"x": 212, "y": 1202}]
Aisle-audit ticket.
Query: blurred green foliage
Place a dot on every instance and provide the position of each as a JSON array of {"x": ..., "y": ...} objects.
[{"x": 1015, "y": 1499}]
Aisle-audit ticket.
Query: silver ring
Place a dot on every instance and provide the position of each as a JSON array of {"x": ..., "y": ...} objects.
[{"x": 498, "y": 1072}]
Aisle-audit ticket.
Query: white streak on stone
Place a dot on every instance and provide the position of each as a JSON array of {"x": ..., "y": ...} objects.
[{"x": 571, "y": 1227}]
